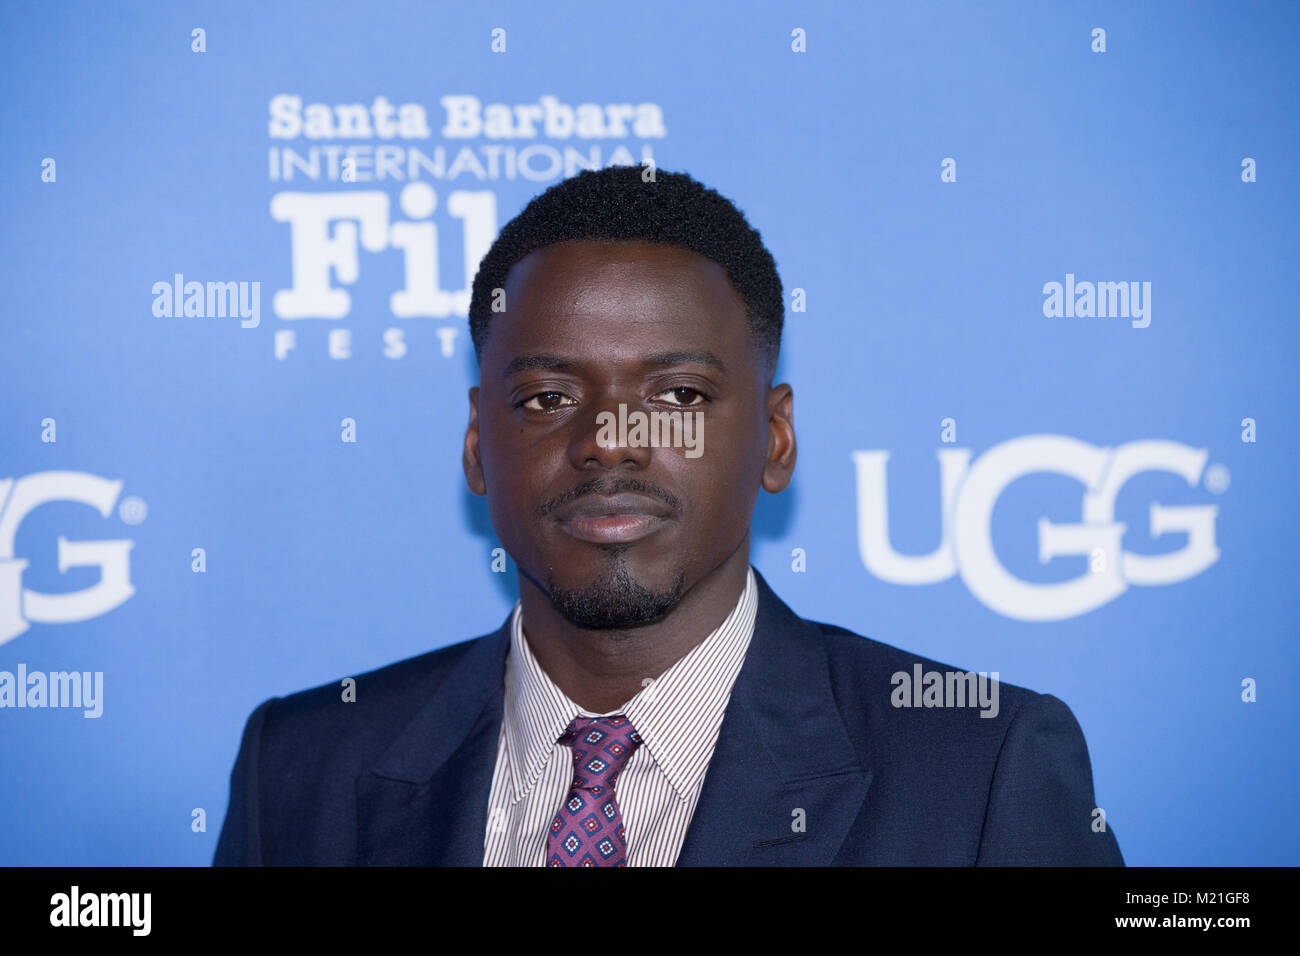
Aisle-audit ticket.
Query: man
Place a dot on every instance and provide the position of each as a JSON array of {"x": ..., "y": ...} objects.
[{"x": 650, "y": 700}]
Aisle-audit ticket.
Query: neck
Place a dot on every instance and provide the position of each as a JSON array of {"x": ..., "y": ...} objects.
[{"x": 602, "y": 670}]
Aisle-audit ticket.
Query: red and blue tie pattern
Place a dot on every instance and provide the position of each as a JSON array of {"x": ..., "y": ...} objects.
[{"x": 588, "y": 830}]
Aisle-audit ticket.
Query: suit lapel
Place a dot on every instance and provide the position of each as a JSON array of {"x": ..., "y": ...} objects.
[
  {"x": 783, "y": 757},
  {"x": 425, "y": 801},
  {"x": 783, "y": 787}
]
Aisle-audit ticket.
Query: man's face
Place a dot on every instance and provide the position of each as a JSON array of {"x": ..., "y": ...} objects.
[{"x": 616, "y": 534}]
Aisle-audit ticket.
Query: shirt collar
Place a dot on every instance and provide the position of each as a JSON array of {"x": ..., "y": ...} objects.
[{"x": 678, "y": 716}]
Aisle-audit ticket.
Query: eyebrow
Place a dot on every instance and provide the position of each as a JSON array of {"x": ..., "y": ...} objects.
[{"x": 546, "y": 360}]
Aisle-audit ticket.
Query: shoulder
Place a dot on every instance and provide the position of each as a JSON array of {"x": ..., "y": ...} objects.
[
  {"x": 878, "y": 665},
  {"x": 1003, "y": 778},
  {"x": 293, "y": 786},
  {"x": 357, "y": 715},
  {"x": 915, "y": 708}
]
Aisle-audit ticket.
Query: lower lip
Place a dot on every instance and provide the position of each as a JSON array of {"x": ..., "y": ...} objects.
[{"x": 612, "y": 529}]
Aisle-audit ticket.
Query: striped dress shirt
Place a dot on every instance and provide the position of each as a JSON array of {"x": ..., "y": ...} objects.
[{"x": 678, "y": 717}]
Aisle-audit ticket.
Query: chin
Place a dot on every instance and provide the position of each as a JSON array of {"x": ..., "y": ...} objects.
[{"x": 618, "y": 598}]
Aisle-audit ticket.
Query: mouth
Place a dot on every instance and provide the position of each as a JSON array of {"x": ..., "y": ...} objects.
[{"x": 612, "y": 519}]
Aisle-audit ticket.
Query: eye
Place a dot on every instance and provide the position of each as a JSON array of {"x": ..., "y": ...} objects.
[
  {"x": 685, "y": 396},
  {"x": 546, "y": 402}
]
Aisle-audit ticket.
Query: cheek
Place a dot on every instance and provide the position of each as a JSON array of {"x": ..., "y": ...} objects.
[
  {"x": 718, "y": 491},
  {"x": 502, "y": 450},
  {"x": 507, "y": 496},
  {"x": 519, "y": 480},
  {"x": 737, "y": 487}
]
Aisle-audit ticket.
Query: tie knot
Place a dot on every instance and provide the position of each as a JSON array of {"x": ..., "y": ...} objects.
[{"x": 601, "y": 746}]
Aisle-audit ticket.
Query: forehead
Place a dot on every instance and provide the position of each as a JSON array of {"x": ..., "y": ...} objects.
[{"x": 618, "y": 295}]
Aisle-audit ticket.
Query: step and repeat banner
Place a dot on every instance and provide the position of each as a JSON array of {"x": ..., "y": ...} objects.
[{"x": 1037, "y": 258}]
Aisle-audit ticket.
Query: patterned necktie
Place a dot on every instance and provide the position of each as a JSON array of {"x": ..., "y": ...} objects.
[{"x": 588, "y": 830}]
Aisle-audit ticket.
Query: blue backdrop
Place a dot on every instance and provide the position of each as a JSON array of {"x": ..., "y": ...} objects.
[{"x": 1087, "y": 486}]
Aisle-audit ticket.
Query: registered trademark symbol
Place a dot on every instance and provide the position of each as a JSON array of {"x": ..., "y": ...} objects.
[
  {"x": 1217, "y": 479},
  {"x": 132, "y": 510}
]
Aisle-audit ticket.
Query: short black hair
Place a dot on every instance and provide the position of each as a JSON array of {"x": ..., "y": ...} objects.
[{"x": 619, "y": 203}]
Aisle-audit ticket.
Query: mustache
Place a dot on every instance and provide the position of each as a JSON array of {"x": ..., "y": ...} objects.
[{"x": 609, "y": 486}]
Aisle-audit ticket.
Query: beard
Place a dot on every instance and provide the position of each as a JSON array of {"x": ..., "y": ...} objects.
[{"x": 615, "y": 600}]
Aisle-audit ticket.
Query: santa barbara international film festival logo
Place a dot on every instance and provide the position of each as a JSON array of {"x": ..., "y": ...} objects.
[
  {"x": 366, "y": 153},
  {"x": 19, "y": 606},
  {"x": 970, "y": 490}
]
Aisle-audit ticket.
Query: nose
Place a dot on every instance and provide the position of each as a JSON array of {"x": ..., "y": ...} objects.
[{"x": 605, "y": 436}]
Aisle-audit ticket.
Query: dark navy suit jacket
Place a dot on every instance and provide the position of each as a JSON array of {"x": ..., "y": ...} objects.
[{"x": 402, "y": 775}]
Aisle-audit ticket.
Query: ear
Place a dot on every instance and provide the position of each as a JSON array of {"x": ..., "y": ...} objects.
[
  {"x": 470, "y": 460},
  {"x": 782, "y": 450}
]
